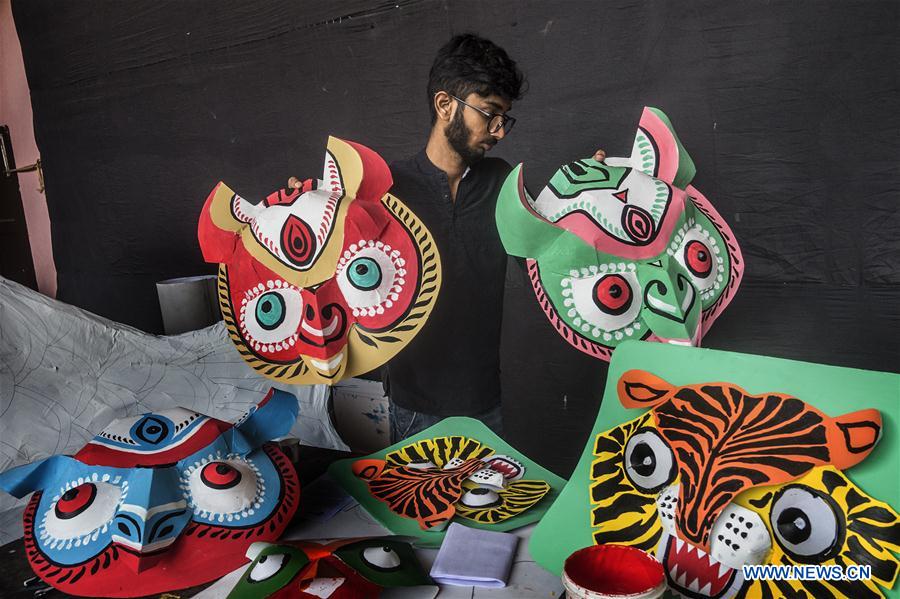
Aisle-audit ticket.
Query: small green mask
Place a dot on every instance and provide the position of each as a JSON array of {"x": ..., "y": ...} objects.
[{"x": 291, "y": 568}]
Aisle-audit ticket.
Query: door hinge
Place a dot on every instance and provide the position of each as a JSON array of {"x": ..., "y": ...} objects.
[{"x": 9, "y": 172}]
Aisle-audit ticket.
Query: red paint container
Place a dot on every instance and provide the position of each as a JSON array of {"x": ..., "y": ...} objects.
[{"x": 613, "y": 572}]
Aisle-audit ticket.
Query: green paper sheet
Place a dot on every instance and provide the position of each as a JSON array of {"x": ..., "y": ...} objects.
[{"x": 341, "y": 472}]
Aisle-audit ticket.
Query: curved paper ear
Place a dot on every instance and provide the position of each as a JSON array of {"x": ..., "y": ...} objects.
[
  {"x": 368, "y": 469},
  {"x": 22, "y": 480},
  {"x": 640, "y": 389},
  {"x": 851, "y": 437},
  {"x": 524, "y": 232},
  {"x": 273, "y": 417},
  {"x": 376, "y": 176},
  {"x": 658, "y": 152},
  {"x": 219, "y": 230},
  {"x": 355, "y": 171}
]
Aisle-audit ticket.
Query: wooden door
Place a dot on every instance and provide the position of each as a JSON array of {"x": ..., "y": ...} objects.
[{"x": 16, "y": 262}]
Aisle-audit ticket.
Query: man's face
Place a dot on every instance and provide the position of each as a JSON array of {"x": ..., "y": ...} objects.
[{"x": 468, "y": 132}]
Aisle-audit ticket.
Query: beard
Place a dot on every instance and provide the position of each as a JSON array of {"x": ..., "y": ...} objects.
[{"x": 458, "y": 135}]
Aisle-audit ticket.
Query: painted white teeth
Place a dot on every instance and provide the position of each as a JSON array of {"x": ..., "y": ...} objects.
[
  {"x": 694, "y": 586},
  {"x": 706, "y": 590},
  {"x": 682, "y": 580},
  {"x": 723, "y": 570},
  {"x": 673, "y": 573},
  {"x": 330, "y": 364},
  {"x": 678, "y": 543}
]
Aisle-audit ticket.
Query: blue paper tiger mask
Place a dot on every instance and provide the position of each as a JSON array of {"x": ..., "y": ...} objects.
[{"x": 158, "y": 502}]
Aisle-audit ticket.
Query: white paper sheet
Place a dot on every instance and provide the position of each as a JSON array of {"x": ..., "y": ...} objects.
[{"x": 65, "y": 373}]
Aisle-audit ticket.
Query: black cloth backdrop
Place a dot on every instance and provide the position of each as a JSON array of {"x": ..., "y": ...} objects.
[{"x": 789, "y": 109}]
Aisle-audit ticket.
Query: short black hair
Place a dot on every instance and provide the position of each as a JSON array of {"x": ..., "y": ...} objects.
[{"x": 472, "y": 64}]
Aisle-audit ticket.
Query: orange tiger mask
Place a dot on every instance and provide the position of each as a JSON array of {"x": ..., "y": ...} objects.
[{"x": 714, "y": 478}]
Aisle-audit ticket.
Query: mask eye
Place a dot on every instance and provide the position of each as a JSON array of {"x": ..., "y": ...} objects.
[
  {"x": 480, "y": 498},
  {"x": 602, "y": 303},
  {"x": 220, "y": 475},
  {"x": 151, "y": 430},
  {"x": 612, "y": 294},
  {"x": 371, "y": 277},
  {"x": 806, "y": 525},
  {"x": 298, "y": 243},
  {"x": 82, "y": 509},
  {"x": 267, "y": 566},
  {"x": 381, "y": 558},
  {"x": 698, "y": 254},
  {"x": 270, "y": 311},
  {"x": 269, "y": 320},
  {"x": 649, "y": 462},
  {"x": 698, "y": 259},
  {"x": 75, "y": 501},
  {"x": 364, "y": 274},
  {"x": 223, "y": 488}
]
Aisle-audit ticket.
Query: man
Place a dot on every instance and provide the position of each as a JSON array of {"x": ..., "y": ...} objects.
[{"x": 452, "y": 366}]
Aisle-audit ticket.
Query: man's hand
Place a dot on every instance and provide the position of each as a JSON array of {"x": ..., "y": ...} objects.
[
  {"x": 599, "y": 156},
  {"x": 303, "y": 186}
]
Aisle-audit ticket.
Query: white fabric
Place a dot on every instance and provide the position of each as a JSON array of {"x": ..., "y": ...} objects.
[
  {"x": 475, "y": 557},
  {"x": 66, "y": 373}
]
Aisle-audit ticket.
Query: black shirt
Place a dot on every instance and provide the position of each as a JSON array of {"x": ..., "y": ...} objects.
[{"x": 452, "y": 366}]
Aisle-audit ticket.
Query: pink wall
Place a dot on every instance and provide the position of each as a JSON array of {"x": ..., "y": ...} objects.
[{"x": 15, "y": 111}]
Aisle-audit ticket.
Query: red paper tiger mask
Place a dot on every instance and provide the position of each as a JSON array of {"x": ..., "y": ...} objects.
[{"x": 324, "y": 282}]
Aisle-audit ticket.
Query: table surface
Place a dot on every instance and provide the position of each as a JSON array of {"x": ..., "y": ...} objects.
[{"x": 326, "y": 512}]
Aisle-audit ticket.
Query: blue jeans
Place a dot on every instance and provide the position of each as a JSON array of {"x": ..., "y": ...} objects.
[{"x": 405, "y": 423}]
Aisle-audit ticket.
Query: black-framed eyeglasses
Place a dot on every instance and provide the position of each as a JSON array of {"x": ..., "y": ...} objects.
[{"x": 495, "y": 121}]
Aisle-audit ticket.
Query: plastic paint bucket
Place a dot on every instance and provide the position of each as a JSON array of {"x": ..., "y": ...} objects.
[{"x": 613, "y": 572}]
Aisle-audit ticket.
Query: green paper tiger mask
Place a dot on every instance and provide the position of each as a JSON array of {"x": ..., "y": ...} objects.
[{"x": 625, "y": 248}]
